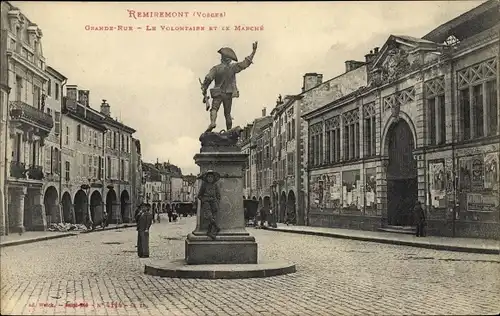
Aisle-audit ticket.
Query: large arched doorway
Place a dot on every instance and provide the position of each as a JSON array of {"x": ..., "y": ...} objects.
[
  {"x": 51, "y": 206},
  {"x": 290, "y": 208},
  {"x": 81, "y": 204},
  {"x": 111, "y": 202},
  {"x": 402, "y": 189},
  {"x": 67, "y": 208},
  {"x": 282, "y": 207},
  {"x": 96, "y": 207},
  {"x": 125, "y": 206}
]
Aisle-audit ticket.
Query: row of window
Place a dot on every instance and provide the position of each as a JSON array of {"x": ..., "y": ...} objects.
[
  {"x": 85, "y": 134},
  {"x": 115, "y": 140},
  {"x": 477, "y": 108}
]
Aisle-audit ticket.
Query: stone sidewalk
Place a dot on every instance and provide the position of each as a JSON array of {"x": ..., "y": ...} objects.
[
  {"x": 472, "y": 245},
  {"x": 34, "y": 236}
]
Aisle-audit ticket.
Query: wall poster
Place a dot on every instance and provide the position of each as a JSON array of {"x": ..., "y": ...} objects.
[
  {"x": 464, "y": 174},
  {"x": 351, "y": 191},
  {"x": 491, "y": 171},
  {"x": 370, "y": 190},
  {"x": 326, "y": 191},
  {"x": 437, "y": 183},
  {"x": 477, "y": 176}
]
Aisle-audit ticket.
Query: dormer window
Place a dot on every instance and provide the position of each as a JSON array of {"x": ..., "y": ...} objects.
[{"x": 451, "y": 40}]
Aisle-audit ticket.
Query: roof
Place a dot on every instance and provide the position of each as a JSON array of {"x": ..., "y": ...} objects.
[
  {"x": 111, "y": 121},
  {"x": 474, "y": 21},
  {"x": 56, "y": 73}
]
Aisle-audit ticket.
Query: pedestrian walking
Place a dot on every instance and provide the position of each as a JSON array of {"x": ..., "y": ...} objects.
[
  {"x": 419, "y": 215},
  {"x": 170, "y": 213},
  {"x": 143, "y": 226}
]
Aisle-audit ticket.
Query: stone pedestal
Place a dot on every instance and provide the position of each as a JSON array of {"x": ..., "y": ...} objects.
[
  {"x": 233, "y": 252},
  {"x": 233, "y": 244}
]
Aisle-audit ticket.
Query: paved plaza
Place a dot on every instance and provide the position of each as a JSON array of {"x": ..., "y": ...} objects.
[{"x": 100, "y": 274}]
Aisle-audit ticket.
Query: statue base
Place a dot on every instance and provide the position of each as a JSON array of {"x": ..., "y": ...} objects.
[
  {"x": 224, "y": 141},
  {"x": 225, "y": 249},
  {"x": 233, "y": 244},
  {"x": 179, "y": 269}
]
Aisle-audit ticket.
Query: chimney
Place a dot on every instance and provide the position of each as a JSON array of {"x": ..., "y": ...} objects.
[
  {"x": 311, "y": 80},
  {"x": 105, "y": 108},
  {"x": 375, "y": 50},
  {"x": 369, "y": 57},
  {"x": 352, "y": 64},
  {"x": 263, "y": 112}
]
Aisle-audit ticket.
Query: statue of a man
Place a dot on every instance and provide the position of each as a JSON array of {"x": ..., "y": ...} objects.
[
  {"x": 225, "y": 88},
  {"x": 209, "y": 195}
]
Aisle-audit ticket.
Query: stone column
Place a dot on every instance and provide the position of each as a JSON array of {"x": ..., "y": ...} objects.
[
  {"x": 3, "y": 223},
  {"x": 233, "y": 244},
  {"x": 39, "y": 219},
  {"x": 18, "y": 194},
  {"x": 117, "y": 215}
]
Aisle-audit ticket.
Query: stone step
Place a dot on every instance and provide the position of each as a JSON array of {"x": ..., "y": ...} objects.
[{"x": 398, "y": 229}]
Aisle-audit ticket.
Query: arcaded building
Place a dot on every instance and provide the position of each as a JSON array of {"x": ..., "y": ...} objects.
[{"x": 424, "y": 128}]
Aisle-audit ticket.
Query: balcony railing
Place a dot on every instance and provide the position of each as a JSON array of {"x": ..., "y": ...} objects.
[
  {"x": 35, "y": 173},
  {"x": 30, "y": 115},
  {"x": 18, "y": 170}
]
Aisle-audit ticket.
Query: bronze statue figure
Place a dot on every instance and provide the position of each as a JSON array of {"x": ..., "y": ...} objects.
[
  {"x": 209, "y": 195},
  {"x": 225, "y": 88}
]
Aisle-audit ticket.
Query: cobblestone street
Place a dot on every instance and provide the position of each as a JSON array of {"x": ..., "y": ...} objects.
[{"x": 100, "y": 274}]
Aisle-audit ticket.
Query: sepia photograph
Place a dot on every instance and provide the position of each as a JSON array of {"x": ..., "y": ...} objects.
[{"x": 250, "y": 158}]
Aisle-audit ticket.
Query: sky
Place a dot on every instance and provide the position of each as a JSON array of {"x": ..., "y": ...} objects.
[{"x": 150, "y": 78}]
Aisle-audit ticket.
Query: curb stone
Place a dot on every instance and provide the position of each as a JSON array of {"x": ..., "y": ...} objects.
[
  {"x": 32, "y": 240},
  {"x": 382, "y": 240},
  {"x": 43, "y": 238},
  {"x": 108, "y": 228}
]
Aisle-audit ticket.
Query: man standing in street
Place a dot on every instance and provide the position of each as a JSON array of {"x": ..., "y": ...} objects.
[{"x": 143, "y": 225}]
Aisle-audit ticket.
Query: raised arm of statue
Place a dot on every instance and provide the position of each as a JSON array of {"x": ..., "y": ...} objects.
[{"x": 245, "y": 63}]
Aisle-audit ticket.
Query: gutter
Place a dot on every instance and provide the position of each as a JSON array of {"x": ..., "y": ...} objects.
[
  {"x": 61, "y": 218},
  {"x": 7, "y": 167}
]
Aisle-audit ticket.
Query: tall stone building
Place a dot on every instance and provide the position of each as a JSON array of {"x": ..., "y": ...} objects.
[
  {"x": 4, "y": 104},
  {"x": 82, "y": 161},
  {"x": 118, "y": 184},
  {"x": 424, "y": 127},
  {"x": 52, "y": 154},
  {"x": 29, "y": 125},
  {"x": 136, "y": 174}
]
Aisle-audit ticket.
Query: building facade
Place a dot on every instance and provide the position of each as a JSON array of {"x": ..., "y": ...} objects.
[
  {"x": 118, "y": 188},
  {"x": 4, "y": 100},
  {"x": 136, "y": 174},
  {"x": 245, "y": 145},
  {"x": 29, "y": 124},
  {"x": 154, "y": 186},
  {"x": 53, "y": 144},
  {"x": 425, "y": 128},
  {"x": 188, "y": 190},
  {"x": 82, "y": 162}
]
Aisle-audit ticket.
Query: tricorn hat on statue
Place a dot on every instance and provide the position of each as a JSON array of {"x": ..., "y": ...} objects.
[
  {"x": 208, "y": 172},
  {"x": 228, "y": 52}
]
